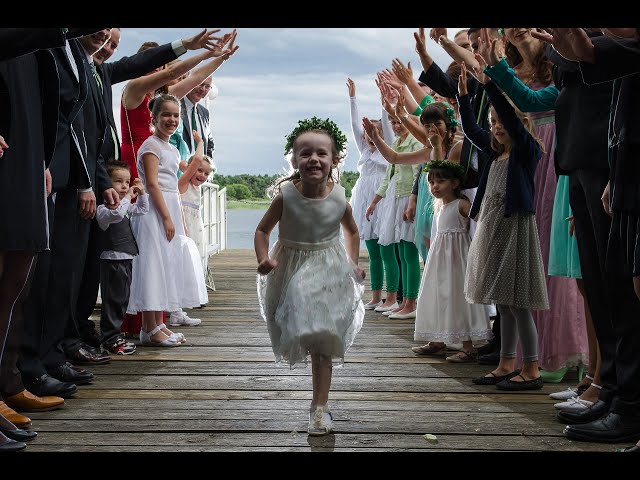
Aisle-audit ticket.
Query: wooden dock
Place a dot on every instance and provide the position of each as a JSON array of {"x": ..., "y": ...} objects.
[{"x": 222, "y": 392}]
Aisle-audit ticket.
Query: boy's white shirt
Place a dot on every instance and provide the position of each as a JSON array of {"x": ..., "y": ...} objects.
[{"x": 106, "y": 217}]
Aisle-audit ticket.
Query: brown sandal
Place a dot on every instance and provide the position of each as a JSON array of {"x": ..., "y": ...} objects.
[
  {"x": 430, "y": 349},
  {"x": 463, "y": 357}
]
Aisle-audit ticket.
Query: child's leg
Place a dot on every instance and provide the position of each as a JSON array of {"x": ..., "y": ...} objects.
[
  {"x": 508, "y": 341},
  {"x": 411, "y": 274},
  {"x": 391, "y": 272},
  {"x": 376, "y": 270},
  {"x": 321, "y": 371},
  {"x": 528, "y": 333},
  {"x": 115, "y": 281}
]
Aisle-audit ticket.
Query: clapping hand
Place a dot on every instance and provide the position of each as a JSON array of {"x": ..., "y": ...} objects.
[
  {"x": 370, "y": 129},
  {"x": 572, "y": 43},
  {"x": 421, "y": 47},
  {"x": 352, "y": 87},
  {"x": 488, "y": 48},
  {"x": 404, "y": 74},
  {"x": 482, "y": 77},
  {"x": 462, "y": 80},
  {"x": 197, "y": 137},
  {"x": 204, "y": 39}
]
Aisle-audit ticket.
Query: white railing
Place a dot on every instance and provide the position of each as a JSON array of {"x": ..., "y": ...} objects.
[{"x": 214, "y": 219}]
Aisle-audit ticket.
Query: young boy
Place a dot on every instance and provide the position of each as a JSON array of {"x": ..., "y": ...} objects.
[{"x": 118, "y": 247}]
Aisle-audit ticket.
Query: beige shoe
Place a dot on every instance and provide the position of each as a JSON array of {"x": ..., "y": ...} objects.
[
  {"x": 13, "y": 416},
  {"x": 320, "y": 421}
]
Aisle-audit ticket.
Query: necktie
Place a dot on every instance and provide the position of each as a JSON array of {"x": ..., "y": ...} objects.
[
  {"x": 97, "y": 77},
  {"x": 194, "y": 124}
]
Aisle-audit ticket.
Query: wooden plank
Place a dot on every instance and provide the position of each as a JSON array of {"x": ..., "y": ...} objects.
[{"x": 222, "y": 392}]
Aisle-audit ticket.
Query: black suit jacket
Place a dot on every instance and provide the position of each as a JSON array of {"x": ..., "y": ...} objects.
[
  {"x": 68, "y": 165},
  {"x": 447, "y": 86},
  {"x": 122, "y": 70},
  {"x": 203, "y": 119}
]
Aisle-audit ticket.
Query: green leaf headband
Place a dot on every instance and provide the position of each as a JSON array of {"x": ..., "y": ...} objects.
[
  {"x": 451, "y": 115},
  {"x": 455, "y": 168},
  {"x": 314, "y": 123}
]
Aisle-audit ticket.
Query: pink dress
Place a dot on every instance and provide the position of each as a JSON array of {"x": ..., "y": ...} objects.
[{"x": 562, "y": 334}]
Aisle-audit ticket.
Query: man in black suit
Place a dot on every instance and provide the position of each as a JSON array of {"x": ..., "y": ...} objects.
[
  {"x": 196, "y": 117},
  {"x": 108, "y": 74},
  {"x": 73, "y": 170}
]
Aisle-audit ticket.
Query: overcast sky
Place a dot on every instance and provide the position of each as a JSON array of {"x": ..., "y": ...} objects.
[{"x": 281, "y": 75}]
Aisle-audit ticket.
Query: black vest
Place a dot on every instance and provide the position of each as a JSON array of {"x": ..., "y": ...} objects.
[{"x": 119, "y": 238}]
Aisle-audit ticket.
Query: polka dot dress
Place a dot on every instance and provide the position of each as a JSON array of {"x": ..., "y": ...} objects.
[{"x": 505, "y": 264}]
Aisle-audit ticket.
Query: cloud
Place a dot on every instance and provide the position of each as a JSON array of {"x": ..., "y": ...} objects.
[{"x": 279, "y": 76}]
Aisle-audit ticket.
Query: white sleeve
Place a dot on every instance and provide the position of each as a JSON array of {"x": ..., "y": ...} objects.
[
  {"x": 356, "y": 125},
  {"x": 106, "y": 217},
  {"x": 141, "y": 206},
  {"x": 387, "y": 129}
]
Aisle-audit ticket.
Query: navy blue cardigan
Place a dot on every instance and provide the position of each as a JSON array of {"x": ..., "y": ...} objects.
[{"x": 523, "y": 160}]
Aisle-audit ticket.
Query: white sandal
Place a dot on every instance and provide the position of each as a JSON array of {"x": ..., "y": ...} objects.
[{"x": 145, "y": 338}]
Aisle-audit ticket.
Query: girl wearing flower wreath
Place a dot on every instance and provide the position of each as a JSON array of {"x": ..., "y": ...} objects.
[{"x": 309, "y": 285}]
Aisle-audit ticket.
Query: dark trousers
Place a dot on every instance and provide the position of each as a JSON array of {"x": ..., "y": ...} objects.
[
  {"x": 115, "y": 281},
  {"x": 88, "y": 293},
  {"x": 614, "y": 307},
  {"x": 55, "y": 286},
  {"x": 10, "y": 377}
]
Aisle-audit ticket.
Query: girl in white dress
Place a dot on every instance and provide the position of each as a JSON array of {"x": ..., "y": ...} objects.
[
  {"x": 443, "y": 314},
  {"x": 371, "y": 169},
  {"x": 167, "y": 274},
  {"x": 309, "y": 285},
  {"x": 197, "y": 172}
]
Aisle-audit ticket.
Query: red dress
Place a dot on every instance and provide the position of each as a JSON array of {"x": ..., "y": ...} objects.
[{"x": 140, "y": 122}]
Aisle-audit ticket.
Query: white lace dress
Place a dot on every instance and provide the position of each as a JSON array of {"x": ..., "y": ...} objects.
[
  {"x": 193, "y": 220},
  {"x": 312, "y": 300},
  {"x": 166, "y": 276},
  {"x": 443, "y": 314}
]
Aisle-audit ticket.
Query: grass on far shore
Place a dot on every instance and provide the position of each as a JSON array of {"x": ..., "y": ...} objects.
[{"x": 252, "y": 204}]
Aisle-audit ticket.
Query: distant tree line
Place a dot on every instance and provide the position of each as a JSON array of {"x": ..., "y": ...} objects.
[{"x": 247, "y": 187}]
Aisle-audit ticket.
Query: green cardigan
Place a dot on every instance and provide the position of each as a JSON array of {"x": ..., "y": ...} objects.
[{"x": 405, "y": 175}]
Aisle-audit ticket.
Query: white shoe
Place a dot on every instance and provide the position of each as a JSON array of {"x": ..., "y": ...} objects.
[
  {"x": 574, "y": 404},
  {"x": 179, "y": 319},
  {"x": 388, "y": 312},
  {"x": 386, "y": 309},
  {"x": 565, "y": 394},
  {"x": 371, "y": 306},
  {"x": 402, "y": 316},
  {"x": 320, "y": 421}
]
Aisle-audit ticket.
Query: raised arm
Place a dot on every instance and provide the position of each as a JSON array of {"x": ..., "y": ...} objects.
[
  {"x": 200, "y": 74},
  {"x": 137, "y": 88},
  {"x": 613, "y": 59},
  {"x": 520, "y": 136},
  {"x": 390, "y": 155},
  {"x": 455, "y": 51},
  {"x": 432, "y": 75},
  {"x": 185, "y": 178},
  {"x": 476, "y": 135},
  {"x": 523, "y": 97},
  {"x": 356, "y": 123}
]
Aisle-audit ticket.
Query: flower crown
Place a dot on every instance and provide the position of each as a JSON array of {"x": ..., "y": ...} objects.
[
  {"x": 457, "y": 169},
  {"x": 451, "y": 115},
  {"x": 314, "y": 123}
]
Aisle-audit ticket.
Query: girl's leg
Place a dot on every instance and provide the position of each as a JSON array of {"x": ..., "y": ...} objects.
[
  {"x": 528, "y": 333},
  {"x": 376, "y": 270},
  {"x": 391, "y": 272},
  {"x": 592, "y": 393},
  {"x": 14, "y": 271},
  {"x": 150, "y": 321},
  {"x": 411, "y": 268},
  {"x": 321, "y": 371},
  {"x": 508, "y": 341}
]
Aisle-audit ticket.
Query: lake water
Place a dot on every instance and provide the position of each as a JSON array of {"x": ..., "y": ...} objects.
[{"x": 241, "y": 227}]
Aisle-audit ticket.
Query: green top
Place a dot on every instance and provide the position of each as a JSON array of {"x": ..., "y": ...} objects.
[
  {"x": 405, "y": 175},
  {"x": 425, "y": 101}
]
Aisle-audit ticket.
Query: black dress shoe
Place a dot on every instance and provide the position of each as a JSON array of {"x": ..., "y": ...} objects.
[
  {"x": 72, "y": 374},
  {"x": 87, "y": 356},
  {"x": 46, "y": 385},
  {"x": 613, "y": 427},
  {"x": 490, "y": 358},
  {"x": 12, "y": 446},
  {"x": 19, "y": 435},
  {"x": 594, "y": 412}
]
